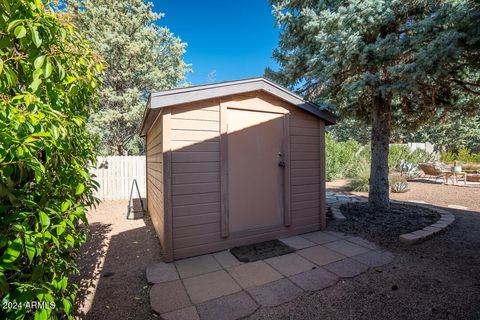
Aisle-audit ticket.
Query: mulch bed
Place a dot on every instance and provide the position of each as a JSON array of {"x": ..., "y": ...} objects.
[
  {"x": 261, "y": 250},
  {"x": 384, "y": 227}
]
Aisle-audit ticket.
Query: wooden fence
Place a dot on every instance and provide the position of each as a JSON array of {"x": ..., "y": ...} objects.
[{"x": 115, "y": 175}]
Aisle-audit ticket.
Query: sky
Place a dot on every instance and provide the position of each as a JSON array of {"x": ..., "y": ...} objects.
[{"x": 227, "y": 40}]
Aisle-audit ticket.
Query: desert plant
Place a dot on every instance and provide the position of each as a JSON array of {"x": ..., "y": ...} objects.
[
  {"x": 398, "y": 184},
  {"x": 361, "y": 177},
  {"x": 408, "y": 170},
  {"x": 399, "y": 187},
  {"x": 48, "y": 87}
]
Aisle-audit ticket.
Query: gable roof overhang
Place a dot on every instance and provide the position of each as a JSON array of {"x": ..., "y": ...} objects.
[{"x": 159, "y": 100}]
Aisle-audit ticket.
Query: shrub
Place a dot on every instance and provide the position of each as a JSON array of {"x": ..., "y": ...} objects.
[
  {"x": 361, "y": 177},
  {"x": 401, "y": 152},
  {"x": 463, "y": 155},
  {"x": 447, "y": 157},
  {"x": 48, "y": 81},
  {"x": 340, "y": 157}
]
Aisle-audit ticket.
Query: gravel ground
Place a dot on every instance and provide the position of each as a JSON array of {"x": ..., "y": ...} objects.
[
  {"x": 112, "y": 265},
  {"x": 434, "y": 193},
  {"x": 383, "y": 227},
  {"x": 438, "y": 279}
]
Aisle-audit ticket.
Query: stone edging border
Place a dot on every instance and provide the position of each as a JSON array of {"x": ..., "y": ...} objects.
[
  {"x": 418, "y": 236},
  {"x": 415, "y": 237}
]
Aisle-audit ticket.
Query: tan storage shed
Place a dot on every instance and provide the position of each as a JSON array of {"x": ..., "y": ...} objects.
[{"x": 233, "y": 163}]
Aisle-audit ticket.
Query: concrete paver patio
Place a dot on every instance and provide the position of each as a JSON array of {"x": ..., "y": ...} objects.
[{"x": 218, "y": 286}]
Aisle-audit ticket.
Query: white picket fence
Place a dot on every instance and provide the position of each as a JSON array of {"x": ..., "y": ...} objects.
[{"x": 115, "y": 175}]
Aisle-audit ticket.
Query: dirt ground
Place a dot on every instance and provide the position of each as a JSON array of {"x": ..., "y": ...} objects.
[
  {"x": 439, "y": 279},
  {"x": 112, "y": 265},
  {"x": 434, "y": 193}
]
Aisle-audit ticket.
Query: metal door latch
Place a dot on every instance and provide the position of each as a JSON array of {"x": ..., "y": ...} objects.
[{"x": 281, "y": 163}]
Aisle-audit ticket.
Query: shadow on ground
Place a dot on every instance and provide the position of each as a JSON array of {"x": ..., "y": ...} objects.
[
  {"x": 112, "y": 282},
  {"x": 438, "y": 279}
]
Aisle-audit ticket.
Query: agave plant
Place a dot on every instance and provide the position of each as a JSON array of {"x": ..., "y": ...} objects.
[
  {"x": 408, "y": 169},
  {"x": 399, "y": 187}
]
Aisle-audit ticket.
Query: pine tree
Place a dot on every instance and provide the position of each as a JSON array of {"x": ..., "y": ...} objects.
[
  {"x": 390, "y": 63},
  {"x": 141, "y": 57}
]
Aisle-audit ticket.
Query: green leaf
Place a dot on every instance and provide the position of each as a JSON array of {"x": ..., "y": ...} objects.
[
  {"x": 36, "y": 37},
  {"x": 65, "y": 205},
  {"x": 67, "y": 306},
  {"x": 55, "y": 240},
  {"x": 13, "y": 24},
  {"x": 48, "y": 69},
  {"x": 80, "y": 189},
  {"x": 1, "y": 65},
  {"x": 39, "y": 61},
  {"x": 34, "y": 85},
  {"x": 30, "y": 248},
  {"x": 20, "y": 32},
  {"x": 60, "y": 230},
  {"x": 41, "y": 314},
  {"x": 20, "y": 152},
  {"x": 55, "y": 132},
  {"x": 13, "y": 251},
  {"x": 37, "y": 73},
  {"x": 44, "y": 219}
]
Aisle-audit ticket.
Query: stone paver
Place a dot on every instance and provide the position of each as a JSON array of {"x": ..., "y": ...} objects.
[
  {"x": 346, "y": 248},
  {"x": 254, "y": 274},
  {"x": 319, "y": 237},
  {"x": 168, "y": 296},
  {"x": 362, "y": 242},
  {"x": 234, "y": 306},
  {"x": 197, "y": 265},
  {"x": 346, "y": 268},
  {"x": 275, "y": 293},
  {"x": 298, "y": 242},
  {"x": 161, "y": 272},
  {"x": 226, "y": 259},
  {"x": 339, "y": 235},
  {"x": 210, "y": 286},
  {"x": 374, "y": 258},
  {"x": 316, "y": 279},
  {"x": 320, "y": 255},
  {"x": 219, "y": 287},
  {"x": 290, "y": 264},
  {"x": 409, "y": 238},
  {"x": 189, "y": 313}
]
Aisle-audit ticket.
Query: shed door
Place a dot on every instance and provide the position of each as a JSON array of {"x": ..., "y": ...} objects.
[{"x": 255, "y": 179}]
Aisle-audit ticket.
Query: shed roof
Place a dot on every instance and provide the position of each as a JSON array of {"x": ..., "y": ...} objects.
[{"x": 168, "y": 98}]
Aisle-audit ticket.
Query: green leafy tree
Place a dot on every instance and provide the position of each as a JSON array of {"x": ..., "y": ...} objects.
[
  {"x": 48, "y": 88},
  {"x": 141, "y": 57},
  {"x": 389, "y": 63}
]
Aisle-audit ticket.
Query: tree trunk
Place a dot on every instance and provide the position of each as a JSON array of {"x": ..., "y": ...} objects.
[{"x": 378, "y": 197}]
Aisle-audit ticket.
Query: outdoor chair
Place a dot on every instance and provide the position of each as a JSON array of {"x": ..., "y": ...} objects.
[{"x": 436, "y": 170}]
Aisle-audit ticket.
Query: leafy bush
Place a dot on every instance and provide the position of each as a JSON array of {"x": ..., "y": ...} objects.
[
  {"x": 340, "y": 157},
  {"x": 401, "y": 152},
  {"x": 447, "y": 157},
  {"x": 361, "y": 177},
  {"x": 463, "y": 155},
  {"x": 48, "y": 81}
]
